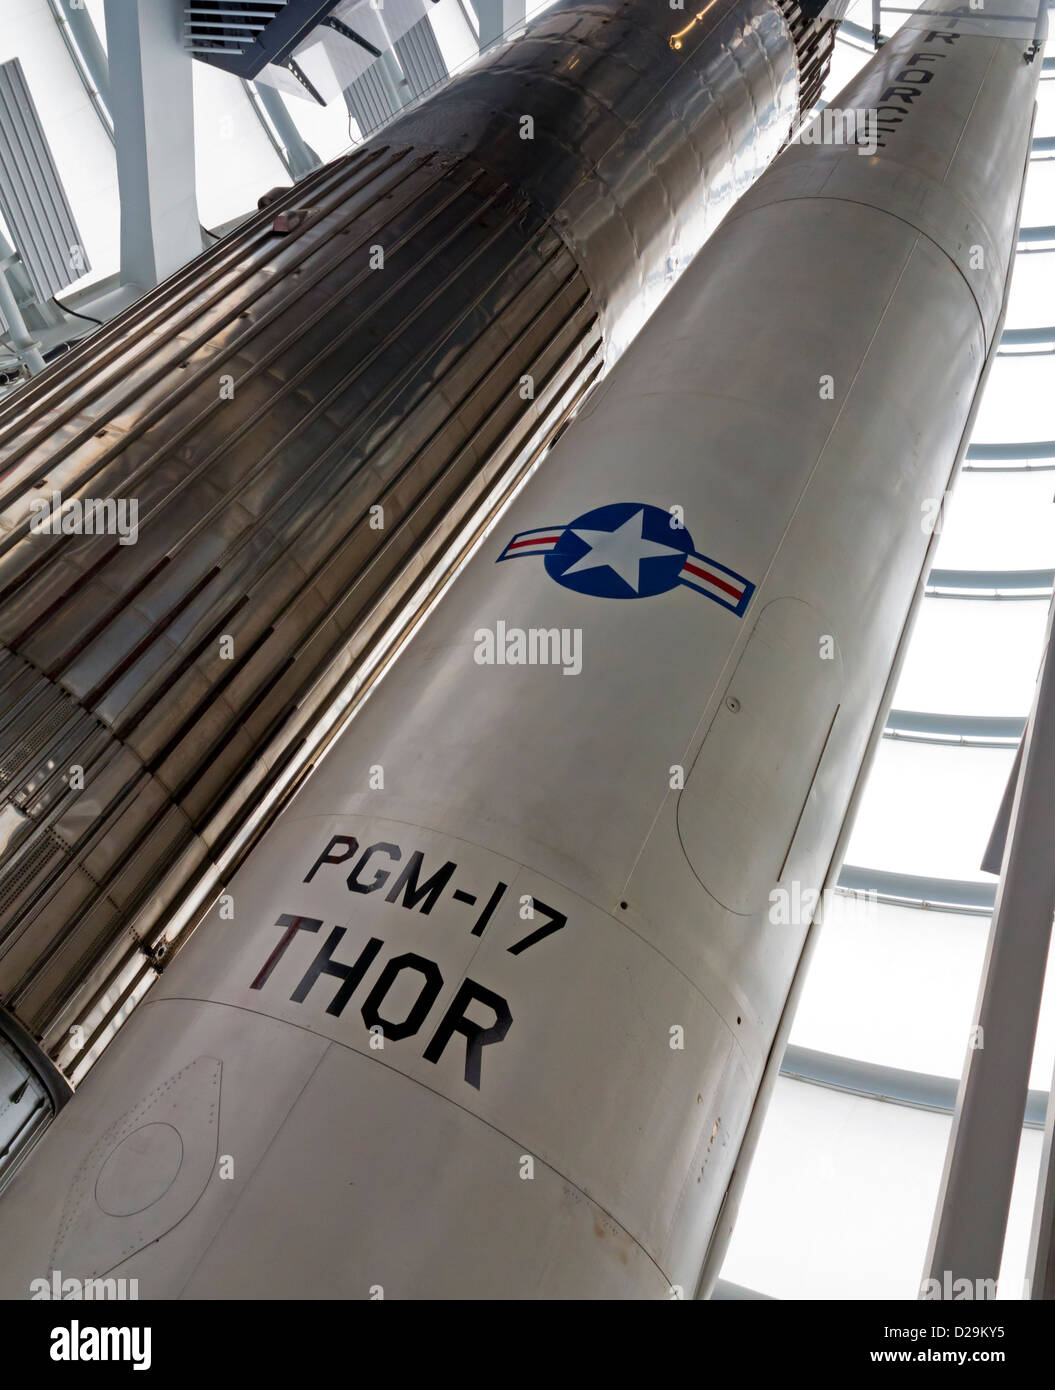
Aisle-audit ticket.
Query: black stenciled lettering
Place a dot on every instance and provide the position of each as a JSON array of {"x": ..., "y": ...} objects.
[
  {"x": 476, "y": 1035},
  {"x": 413, "y": 892},
  {"x": 293, "y": 924},
  {"x": 431, "y": 986},
  {"x": 382, "y": 876},
  {"x": 350, "y": 975},
  {"x": 904, "y": 94},
  {"x": 488, "y": 909},
  {"x": 556, "y": 921},
  {"x": 350, "y": 843}
]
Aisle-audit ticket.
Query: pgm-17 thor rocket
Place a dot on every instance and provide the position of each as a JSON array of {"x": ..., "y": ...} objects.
[
  {"x": 490, "y": 1015},
  {"x": 302, "y": 419}
]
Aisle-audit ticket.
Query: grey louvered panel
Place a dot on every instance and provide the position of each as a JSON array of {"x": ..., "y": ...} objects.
[
  {"x": 231, "y": 28},
  {"x": 368, "y": 100},
  {"x": 244, "y": 36},
  {"x": 420, "y": 58},
  {"x": 32, "y": 199}
]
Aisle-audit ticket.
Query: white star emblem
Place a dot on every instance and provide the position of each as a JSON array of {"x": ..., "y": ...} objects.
[{"x": 622, "y": 550}]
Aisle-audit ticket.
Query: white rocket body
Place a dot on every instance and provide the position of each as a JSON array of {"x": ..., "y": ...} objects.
[{"x": 381, "y": 1075}]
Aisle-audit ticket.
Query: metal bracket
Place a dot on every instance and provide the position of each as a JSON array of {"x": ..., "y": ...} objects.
[
  {"x": 347, "y": 33},
  {"x": 302, "y": 77}
]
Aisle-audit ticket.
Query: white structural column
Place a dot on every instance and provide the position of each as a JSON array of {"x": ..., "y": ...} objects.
[
  {"x": 968, "y": 1236},
  {"x": 1040, "y": 1265},
  {"x": 26, "y": 348},
  {"x": 152, "y": 106},
  {"x": 389, "y": 69},
  {"x": 496, "y": 16},
  {"x": 300, "y": 158},
  {"x": 12, "y": 280}
]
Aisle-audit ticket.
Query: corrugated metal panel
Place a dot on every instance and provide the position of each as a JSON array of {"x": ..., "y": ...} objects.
[
  {"x": 353, "y": 390},
  {"x": 420, "y": 58},
  {"x": 368, "y": 100},
  {"x": 32, "y": 199}
]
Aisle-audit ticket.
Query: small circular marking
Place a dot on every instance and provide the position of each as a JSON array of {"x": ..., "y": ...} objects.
[{"x": 139, "y": 1170}]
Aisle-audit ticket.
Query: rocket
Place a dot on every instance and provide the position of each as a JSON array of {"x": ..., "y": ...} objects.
[
  {"x": 486, "y": 1013},
  {"x": 221, "y": 514}
]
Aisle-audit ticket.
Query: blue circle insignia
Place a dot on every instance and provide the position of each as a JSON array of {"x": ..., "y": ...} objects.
[{"x": 623, "y": 550}]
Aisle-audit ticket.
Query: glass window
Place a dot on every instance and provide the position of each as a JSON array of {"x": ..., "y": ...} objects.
[{"x": 973, "y": 656}]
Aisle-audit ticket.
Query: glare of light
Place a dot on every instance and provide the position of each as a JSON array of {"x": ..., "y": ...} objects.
[{"x": 675, "y": 39}]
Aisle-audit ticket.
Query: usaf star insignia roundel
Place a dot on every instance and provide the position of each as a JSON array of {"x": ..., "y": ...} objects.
[{"x": 629, "y": 550}]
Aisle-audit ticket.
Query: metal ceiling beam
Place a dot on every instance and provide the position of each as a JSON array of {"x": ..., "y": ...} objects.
[
  {"x": 1028, "y": 584},
  {"x": 1028, "y": 449},
  {"x": 858, "y": 32},
  {"x": 918, "y": 890},
  {"x": 1032, "y": 236},
  {"x": 982, "y": 730},
  {"x": 89, "y": 57},
  {"x": 1015, "y": 342},
  {"x": 894, "y": 1085}
]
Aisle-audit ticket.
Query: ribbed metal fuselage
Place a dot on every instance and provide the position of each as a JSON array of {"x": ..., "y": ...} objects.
[{"x": 314, "y": 427}]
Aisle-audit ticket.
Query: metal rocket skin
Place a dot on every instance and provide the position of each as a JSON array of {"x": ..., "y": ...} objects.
[
  {"x": 303, "y": 429},
  {"x": 489, "y": 1017}
]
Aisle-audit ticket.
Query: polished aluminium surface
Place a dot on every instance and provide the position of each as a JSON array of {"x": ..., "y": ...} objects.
[
  {"x": 428, "y": 1090},
  {"x": 305, "y": 435}
]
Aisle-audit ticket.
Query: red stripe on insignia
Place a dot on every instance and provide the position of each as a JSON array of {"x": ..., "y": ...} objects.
[
  {"x": 539, "y": 540},
  {"x": 713, "y": 579}
]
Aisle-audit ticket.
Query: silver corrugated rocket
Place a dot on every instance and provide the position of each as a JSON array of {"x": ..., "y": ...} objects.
[{"x": 303, "y": 419}]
